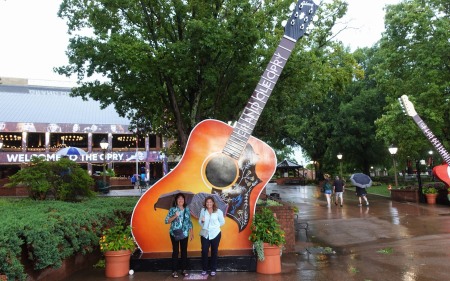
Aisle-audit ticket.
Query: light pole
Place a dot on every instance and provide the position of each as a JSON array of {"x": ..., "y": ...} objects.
[
  {"x": 1, "y": 144},
  {"x": 104, "y": 145},
  {"x": 393, "y": 150},
  {"x": 431, "y": 163},
  {"x": 339, "y": 156}
]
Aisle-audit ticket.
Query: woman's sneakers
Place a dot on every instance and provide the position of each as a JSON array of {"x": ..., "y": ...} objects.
[
  {"x": 204, "y": 272},
  {"x": 175, "y": 274},
  {"x": 213, "y": 273}
]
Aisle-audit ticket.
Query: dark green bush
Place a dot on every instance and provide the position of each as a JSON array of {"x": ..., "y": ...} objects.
[
  {"x": 63, "y": 180},
  {"x": 50, "y": 231}
]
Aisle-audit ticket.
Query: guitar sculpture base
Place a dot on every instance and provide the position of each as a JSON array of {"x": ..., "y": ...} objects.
[{"x": 149, "y": 262}]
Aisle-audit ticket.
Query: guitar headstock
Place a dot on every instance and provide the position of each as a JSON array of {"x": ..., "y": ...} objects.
[
  {"x": 407, "y": 105},
  {"x": 301, "y": 17}
]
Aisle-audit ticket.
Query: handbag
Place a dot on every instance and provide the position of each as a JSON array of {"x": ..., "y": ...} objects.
[
  {"x": 178, "y": 234},
  {"x": 204, "y": 232}
]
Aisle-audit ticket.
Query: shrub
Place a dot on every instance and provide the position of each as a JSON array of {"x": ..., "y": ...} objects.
[
  {"x": 265, "y": 229},
  {"x": 63, "y": 179},
  {"x": 50, "y": 231}
]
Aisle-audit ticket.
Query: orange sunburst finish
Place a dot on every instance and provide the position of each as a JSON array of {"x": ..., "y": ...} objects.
[{"x": 207, "y": 138}]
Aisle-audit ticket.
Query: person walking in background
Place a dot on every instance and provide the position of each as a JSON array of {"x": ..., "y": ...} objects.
[
  {"x": 327, "y": 189},
  {"x": 210, "y": 219},
  {"x": 362, "y": 194},
  {"x": 133, "y": 181},
  {"x": 179, "y": 217},
  {"x": 338, "y": 187}
]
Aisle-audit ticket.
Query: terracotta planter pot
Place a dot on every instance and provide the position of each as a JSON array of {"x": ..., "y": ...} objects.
[
  {"x": 272, "y": 260},
  {"x": 431, "y": 198},
  {"x": 117, "y": 263}
]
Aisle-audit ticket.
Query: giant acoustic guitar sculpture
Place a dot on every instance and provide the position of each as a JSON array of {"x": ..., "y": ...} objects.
[{"x": 223, "y": 160}]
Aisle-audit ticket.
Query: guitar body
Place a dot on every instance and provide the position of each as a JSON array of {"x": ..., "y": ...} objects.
[
  {"x": 442, "y": 172},
  {"x": 193, "y": 173}
]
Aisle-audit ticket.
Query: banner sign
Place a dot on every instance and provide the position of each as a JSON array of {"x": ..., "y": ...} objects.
[{"x": 124, "y": 157}]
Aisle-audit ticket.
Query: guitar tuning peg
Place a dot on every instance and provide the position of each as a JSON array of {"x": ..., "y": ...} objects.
[
  {"x": 283, "y": 23},
  {"x": 292, "y": 6}
]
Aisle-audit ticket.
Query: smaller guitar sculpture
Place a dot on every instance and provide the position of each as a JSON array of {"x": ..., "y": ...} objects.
[{"x": 442, "y": 172}]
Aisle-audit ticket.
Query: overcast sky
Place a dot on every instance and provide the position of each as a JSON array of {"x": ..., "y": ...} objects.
[{"x": 34, "y": 40}]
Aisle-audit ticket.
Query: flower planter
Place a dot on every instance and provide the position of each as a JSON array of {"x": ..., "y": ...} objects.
[
  {"x": 402, "y": 195},
  {"x": 272, "y": 260},
  {"x": 117, "y": 263},
  {"x": 431, "y": 198}
]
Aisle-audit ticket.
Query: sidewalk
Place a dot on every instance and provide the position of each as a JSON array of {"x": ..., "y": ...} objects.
[{"x": 382, "y": 242}]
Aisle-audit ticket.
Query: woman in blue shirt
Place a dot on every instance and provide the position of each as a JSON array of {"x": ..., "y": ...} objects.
[
  {"x": 211, "y": 219},
  {"x": 179, "y": 217}
]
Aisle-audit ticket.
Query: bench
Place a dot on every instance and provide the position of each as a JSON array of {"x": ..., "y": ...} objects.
[
  {"x": 102, "y": 187},
  {"x": 300, "y": 225}
]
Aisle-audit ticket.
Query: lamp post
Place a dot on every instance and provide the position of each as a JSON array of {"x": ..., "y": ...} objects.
[
  {"x": 1, "y": 144},
  {"x": 431, "y": 164},
  {"x": 339, "y": 156},
  {"x": 314, "y": 168},
  {"x": 393, "y": 150},
  {"x": 104, "y": 145}
]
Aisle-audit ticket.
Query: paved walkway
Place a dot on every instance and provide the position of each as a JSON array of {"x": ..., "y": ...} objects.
[{"x": 381, "y": 242}]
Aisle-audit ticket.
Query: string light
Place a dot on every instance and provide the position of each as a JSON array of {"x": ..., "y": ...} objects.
[
  {"x": 126, "y": 138},
  {"x": 10, "y": 137},
  {"x": 72, "y": 138}
]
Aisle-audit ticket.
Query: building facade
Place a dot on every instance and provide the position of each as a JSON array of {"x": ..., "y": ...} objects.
[{"x": 40, "y": 121}]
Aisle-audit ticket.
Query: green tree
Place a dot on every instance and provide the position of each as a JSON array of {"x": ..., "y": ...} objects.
[
  {"x": 170, "y": 64},
  {"x": 415, "y": 48},
  {"x": 63, "y": 179}
]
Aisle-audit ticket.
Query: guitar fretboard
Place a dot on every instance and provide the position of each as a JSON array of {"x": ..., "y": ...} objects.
[
  {"x": 432, "y": 138},
  {"x": 252, "y": 111}
]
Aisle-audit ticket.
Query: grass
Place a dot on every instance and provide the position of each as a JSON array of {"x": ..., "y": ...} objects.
[
  {"x": 378, "y": 190},
  {"x": 386, "y": 251}
]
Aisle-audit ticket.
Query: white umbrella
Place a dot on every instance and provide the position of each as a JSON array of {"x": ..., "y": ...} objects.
[{"x": 71, "y": 151}]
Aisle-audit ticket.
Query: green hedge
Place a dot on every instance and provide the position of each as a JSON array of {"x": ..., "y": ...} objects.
[{"x": 50, "y": 231}]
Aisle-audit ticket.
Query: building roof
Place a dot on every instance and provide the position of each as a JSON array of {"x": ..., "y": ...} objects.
[
  {"x": 40, "y": 104},
  {"x": 288, "y": 164}
]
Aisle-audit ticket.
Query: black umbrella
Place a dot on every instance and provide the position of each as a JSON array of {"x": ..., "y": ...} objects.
[
  {"x": 361, "y": 180},
  {"x": 199, "y": 199},
  {"x": 165, "y": 201}
]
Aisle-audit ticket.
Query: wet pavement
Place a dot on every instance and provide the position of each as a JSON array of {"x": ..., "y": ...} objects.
[{"x": 384, "y": 241}]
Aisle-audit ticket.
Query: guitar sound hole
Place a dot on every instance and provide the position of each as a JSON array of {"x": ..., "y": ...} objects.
[{"x": 221, "y": 171}]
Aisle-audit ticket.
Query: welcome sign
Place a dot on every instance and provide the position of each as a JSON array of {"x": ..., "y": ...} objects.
[{"x": 124, "y": 157}]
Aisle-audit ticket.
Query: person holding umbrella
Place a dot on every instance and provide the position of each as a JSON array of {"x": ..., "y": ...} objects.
[
  {"x": 362, "y": 194},
  {"x": 361, "y": 182},
  {"x": 179, "y": 217},
  {"x": 210, "y": 219}
]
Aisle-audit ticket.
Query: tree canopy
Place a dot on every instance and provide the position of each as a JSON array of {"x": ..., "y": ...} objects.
[
  {"x": 171, "y": 64},
  {"x": 415, "y": 49}
]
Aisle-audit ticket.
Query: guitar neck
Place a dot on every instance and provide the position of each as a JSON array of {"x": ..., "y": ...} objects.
[
  {"x": 432, "y": 138},
  {"x": 252, "y": 111}
]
